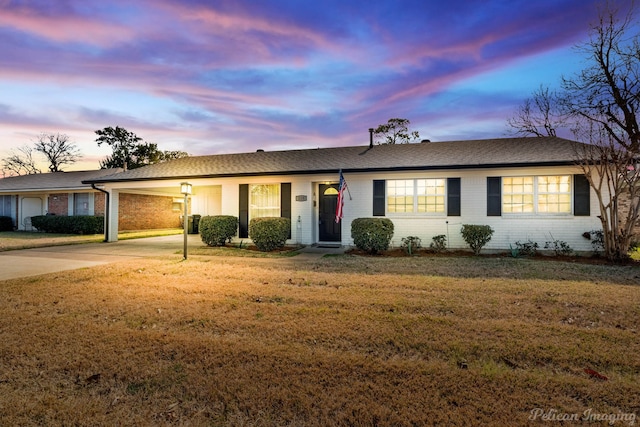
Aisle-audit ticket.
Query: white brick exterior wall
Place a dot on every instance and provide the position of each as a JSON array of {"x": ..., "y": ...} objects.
[{"x": 222, "y": 197}]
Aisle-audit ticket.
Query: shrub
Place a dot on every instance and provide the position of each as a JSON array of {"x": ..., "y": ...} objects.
[
  {"x": 476, "y": 236},
  {"x": 372, "y": 235},
  {"x": 439, "y": 243},
  {"x": 559, "y": 247},
  {"x": 410, "y": 243},
  {"x": 69, "y": 224},
  {"x": 597, "y": 240},
  {"x": 269, "y": 233},
  {"x": 217, "y": 230},
  {"x": 527, "y": 248},
  {"x": 6, "y": 223}
]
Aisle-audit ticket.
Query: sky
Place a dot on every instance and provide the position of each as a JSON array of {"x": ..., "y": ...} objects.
[{"x": 212, "y": 77}]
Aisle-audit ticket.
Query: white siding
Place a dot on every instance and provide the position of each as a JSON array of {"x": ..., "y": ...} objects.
[{"x": 221, "y": 196}]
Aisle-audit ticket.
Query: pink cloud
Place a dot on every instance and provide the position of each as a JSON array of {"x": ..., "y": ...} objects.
[{"x": 65, "y": 28}]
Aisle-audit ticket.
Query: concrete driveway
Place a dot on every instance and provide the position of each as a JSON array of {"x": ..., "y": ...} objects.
[{"x": 31, "y": 262}]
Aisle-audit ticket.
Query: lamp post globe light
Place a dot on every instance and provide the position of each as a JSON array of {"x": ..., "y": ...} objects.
[{"x": 185, "y": 188}]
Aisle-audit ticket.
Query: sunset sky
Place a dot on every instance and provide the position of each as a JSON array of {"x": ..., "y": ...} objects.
[{"x": 209, "y": 77}]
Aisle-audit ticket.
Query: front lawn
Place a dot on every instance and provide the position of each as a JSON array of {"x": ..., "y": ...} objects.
[{"x": 345, "y": 340}]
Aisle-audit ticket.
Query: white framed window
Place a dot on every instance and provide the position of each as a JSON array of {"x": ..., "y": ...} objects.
[
  {"x": 416, "y": 196},
  {"x": 5, "y": 206},
  {"x": 264, "y": 200},
  {"x": 537, "y": 194}
]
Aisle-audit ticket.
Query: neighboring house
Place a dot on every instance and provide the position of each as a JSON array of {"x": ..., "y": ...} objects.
[
  {"x": 64, "y": 193},
  {"x": 525, "y": 188}
]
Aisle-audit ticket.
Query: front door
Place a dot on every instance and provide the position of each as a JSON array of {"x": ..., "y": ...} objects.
[{"x": 330, "y": 231}]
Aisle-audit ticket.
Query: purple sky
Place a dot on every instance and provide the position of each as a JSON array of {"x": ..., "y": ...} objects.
[{"x": 211, "y": 77}]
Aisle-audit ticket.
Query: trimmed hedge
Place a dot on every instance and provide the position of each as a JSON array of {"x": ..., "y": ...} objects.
[
  {"x": 69, "y": 224},
  {"x": 6, "y": 223},
  {"x": 218, "y": 229},
  {"x": 372, "y": 235},
  {"x": 476, "y": 236},
  {"x": 269, "y": 233}
]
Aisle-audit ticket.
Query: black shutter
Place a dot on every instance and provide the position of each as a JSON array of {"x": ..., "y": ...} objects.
[
  {"x": 581, "y": 196},
  {"x": 379, "y": 189},
  {"x": 243, "y": 211},
  {"x": 453, "y": 196},
  {"x": 285, "y": 201},
  {"x": 494, "y": 196}
]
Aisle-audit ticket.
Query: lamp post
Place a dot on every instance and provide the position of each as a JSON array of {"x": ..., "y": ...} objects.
[{"x": 185, "y": 188}]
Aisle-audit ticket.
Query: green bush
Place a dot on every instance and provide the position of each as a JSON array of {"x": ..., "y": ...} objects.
[
  {"x": 559, "y": 247},
  {"x": 411, "y": 243},
  {"x": 6, "y": 223},
  {"x": 476, "y": 236},
  {"x": 372, "y": 235},
  {"x": 528, "y": 248},
  {"x": 439, "y": 243},
  {"x": 269, "y": 233},
  {"x": 69, "y": 224},
  {"x": 217, "y": 230}
]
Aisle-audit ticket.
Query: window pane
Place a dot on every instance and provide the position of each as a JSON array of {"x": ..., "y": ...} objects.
[
  {"x": 554, "y": 194},
  {"x": 517, "y": 194},
  {"x": 400, "y": 195},
  {"x": 264, "y": 200}
]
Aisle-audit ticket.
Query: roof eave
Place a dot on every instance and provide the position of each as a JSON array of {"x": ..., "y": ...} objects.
[{"x": 334, "y": 170}]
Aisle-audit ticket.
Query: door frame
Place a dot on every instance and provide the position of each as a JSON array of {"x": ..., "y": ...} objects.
[{"x": 322, "y": 186}]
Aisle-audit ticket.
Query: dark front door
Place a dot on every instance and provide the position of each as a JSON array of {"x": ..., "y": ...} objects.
[{"x": 330, "y": 231}]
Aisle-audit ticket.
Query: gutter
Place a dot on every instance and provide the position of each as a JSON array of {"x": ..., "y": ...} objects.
[{"x": 106, "y": 211}]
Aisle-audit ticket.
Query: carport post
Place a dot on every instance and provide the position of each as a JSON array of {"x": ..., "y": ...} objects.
[{"x": 185, "y": 188}]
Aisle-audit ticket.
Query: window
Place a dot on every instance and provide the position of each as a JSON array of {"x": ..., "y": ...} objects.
[
  {"x": 416, "y": 196},
  {"x": 81, "y": 204},
  {"x": 264, "y": 200},
  {"x": 5, "y": 206},
  {"x": 536, "y": 194},
  {"x": 554, "y": 194},
  {"x": 517, "y": 194}
]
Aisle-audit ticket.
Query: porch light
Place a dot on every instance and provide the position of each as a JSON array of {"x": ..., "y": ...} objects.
[{"x": 185, "y": 188}]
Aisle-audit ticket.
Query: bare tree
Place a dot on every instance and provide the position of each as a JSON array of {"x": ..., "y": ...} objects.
[
  {"x": 58, "y": 150},
  {"x": 395, "y": 131},
  {"x": 600, "y": 104},
  {"x": 538, "y": 115},
  {"x": 613, "y": 172},
  {"x": 606, "y": 93},
  {"x": 20, "y": 162}
]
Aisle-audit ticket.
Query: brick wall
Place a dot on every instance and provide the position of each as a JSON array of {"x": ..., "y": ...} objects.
[
  {"x": 144, "y": 212},
  {"x": 98, "y": 204},
  {"x": 59, "y": 204},
  {"x": 624, "y": 204}
]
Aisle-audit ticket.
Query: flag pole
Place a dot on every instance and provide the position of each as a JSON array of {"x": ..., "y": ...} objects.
[{"x": 346, "y": 185}]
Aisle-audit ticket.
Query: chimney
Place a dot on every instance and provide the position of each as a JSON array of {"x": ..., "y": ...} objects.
[{"x": 370, "y": 137}]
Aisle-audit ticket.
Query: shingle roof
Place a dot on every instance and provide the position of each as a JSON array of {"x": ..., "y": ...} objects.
[
  {"x": 433, "y": 155},
  {"x": 62, "y": 181}
]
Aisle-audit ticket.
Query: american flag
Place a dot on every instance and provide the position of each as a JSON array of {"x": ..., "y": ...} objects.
[{"x": 341, "y": 187}]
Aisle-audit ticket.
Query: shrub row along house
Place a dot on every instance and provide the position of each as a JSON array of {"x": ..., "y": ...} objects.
[
  {"x": 526, "y": 189},
  {"x": 64, "y": 194}
]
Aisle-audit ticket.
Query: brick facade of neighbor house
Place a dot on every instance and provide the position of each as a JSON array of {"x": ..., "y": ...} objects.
[
  {"x": 144, "y": 212},
  {"x": 137, "y": 212},
  {"x": 624, "y": 206},
  {"x": 58, "y": 204},
  {"x": 98, "y": 204}
]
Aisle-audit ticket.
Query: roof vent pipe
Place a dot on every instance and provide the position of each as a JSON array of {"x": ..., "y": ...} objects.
[{"x": 370, "y": 137}]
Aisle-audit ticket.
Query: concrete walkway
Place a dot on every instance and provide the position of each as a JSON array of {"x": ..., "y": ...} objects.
[{"x": 31, "y": 262}]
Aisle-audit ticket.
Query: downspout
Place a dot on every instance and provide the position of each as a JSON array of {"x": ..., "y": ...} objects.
[{"x": 106, "y": 211}]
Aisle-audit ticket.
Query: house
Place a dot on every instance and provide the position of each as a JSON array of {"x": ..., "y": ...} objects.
[
  {"x": 64, "y": 193},
  {"x": 524, "y": 188}
]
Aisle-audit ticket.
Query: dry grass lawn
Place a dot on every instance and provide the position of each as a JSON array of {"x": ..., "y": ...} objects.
[{"x": 342, "y": 340}]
